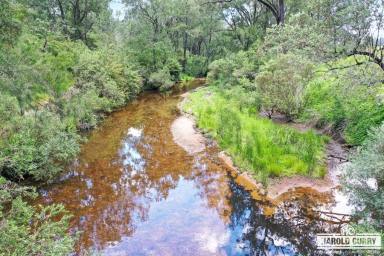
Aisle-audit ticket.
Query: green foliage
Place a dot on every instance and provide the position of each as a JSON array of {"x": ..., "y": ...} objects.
[
  {"x": 92, "y": 74},
  {"x": 25, "y": 231},
  {"x": 234, "y": 68},
  {"x": 81, "y": 110},
  {"x": 50, "y": 87},
  {"x": 197, "y": 66},
  {"x": 81, "y": 87},
  {"x": 255, "y": 143},
  {"x": 161, "y": 79},
  {"x": 281, "y": 83},
  {"x": 8, "y": 108},
  {"x": 301, "y": 35},
  {"x": 39, "y": 148},
  {"x": 11, "y": 16},
  {"x": 348, "y": 100},
  {"x": 364, "y": 179},
  {"x": 174, "y": 68}
]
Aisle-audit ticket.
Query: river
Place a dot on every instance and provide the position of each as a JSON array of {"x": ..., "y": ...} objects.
[{"x": 133, "y": 191}]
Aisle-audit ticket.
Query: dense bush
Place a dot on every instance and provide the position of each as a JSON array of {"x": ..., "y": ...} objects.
[
  {"x": 281, "y": 84},
  {"x": 161, "y": 79},
  {"x": 364, "y": 179},
  {"x": 92, "y": 74},
  {"x": 301, "y": 35},
  {"x": 197, "y": 66},
  {"x": 82, "y": 110},
  {"x": 39, "y": 148},
  {"x": 53, "y": 93},
  {"x": 174, "y": 69},
  {"x": 230, "y": 70},
  {"x": 346, "y": 100},
  {"x": 27, "y": 231}
]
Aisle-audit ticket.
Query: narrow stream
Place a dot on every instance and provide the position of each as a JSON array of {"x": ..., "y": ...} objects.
[{"x": 133, "y": 191}]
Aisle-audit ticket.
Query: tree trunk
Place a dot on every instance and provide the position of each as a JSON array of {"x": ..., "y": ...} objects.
[
  {"x": 281, "y": 12},
  {"x": 185, "y": 50}
]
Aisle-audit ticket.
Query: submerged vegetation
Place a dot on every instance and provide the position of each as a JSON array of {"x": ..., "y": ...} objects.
[{"x": 66, "y": 64}]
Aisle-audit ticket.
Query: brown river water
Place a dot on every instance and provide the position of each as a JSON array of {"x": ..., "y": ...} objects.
[{"x": 134, "y": 191}]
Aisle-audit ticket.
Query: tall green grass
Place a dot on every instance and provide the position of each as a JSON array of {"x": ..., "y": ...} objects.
[{"x": 255, "y": 143}]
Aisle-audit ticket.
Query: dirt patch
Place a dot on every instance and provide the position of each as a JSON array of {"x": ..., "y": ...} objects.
[
  {"x": 336, "y": 159},
  {"x": 336, "y": 156},
  {"x": 186, "y": 136},
  {"x": 184, "y": 131}
]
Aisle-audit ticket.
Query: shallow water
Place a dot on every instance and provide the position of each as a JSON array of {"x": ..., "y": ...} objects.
[{"x": 133, "y": 191}]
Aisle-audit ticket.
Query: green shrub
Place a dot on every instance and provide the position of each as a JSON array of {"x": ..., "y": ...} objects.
[
  {"x": 281, "y": 84},
  {"x": 197, "y": 66},
  {"x": 82, "y": 110},
  {"x": 230, "y": 70},
  {"x": 161, "y": 79},
  {"x": 25, "y": 231},
  {"x": 9, "y": 108},
  {"x": 364, "y": 179},
  {"x": 91, "y": 74},
  {"x": 342, "y": 100},
  {"x": 174, "y": 69},
  {"x": 39, "y": 148}
]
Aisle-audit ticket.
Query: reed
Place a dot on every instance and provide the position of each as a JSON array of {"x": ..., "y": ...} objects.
[{"x": 256, "y": 144}]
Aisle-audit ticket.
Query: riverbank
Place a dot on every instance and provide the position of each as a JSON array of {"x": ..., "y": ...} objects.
[{"x": 187, "y": 135}]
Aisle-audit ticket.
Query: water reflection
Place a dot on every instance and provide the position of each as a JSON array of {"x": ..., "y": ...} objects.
[
  {"x": 288, "y": 231},
  {"x": 133, "y": 191}
]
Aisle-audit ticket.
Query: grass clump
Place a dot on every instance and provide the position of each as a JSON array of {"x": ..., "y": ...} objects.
[{"x": 255, "y": 143}]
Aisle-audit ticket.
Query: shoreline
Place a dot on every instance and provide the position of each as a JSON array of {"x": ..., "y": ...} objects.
[{"x": 187, "y": 135}]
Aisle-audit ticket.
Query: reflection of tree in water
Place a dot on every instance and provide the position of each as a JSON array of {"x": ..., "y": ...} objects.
[
  {"x": 212, "y": 183},
  {"x": 289, "y": 231},
  {"x": 108, "y": 194}
]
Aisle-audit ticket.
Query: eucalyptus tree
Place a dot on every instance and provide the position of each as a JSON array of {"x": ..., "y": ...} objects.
[
  {"x": 245, "y": 21},
  {"x": 356, "y": 27},
  {"x": 276, "y": 7},
  {"x": 159, "y": 31},
  {"x": 75, "y": 18}
]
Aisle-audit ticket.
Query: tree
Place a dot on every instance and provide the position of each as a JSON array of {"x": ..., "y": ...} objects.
[
  {"x": 301, "y": 35},
  {"x": 75, "y": 18},
  {"x": 162, "y": 32},
  {"x": 364, "y": 29},
  {"x": 281, "y": 84},
  {"x": 355, "y": 26},
  {"x": 276, "y": 7}
]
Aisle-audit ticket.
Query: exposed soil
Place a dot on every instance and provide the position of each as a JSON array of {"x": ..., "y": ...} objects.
[{"x": 186, "y": 136}]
